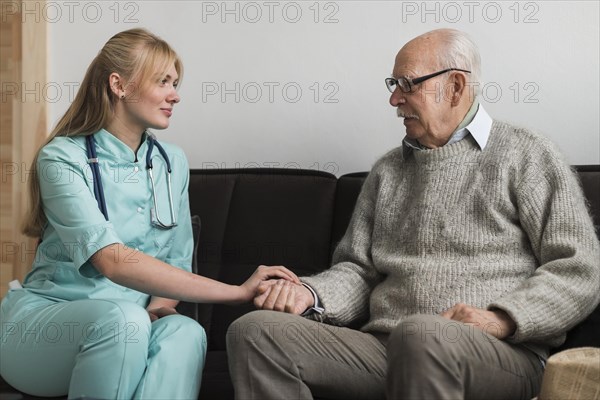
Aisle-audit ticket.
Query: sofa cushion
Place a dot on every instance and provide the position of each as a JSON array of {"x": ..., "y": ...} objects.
[
  {"x": 185, "y": 308},
  {"x": 216, "y": 381}
]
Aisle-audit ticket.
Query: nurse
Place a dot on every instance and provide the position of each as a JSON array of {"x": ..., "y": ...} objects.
[{"x": 96, "y": 315}]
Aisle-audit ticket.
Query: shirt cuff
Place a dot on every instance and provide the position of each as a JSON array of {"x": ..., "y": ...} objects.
[
  {"x": 89, "y": 243},
  {"x": 316, "y": 308}
]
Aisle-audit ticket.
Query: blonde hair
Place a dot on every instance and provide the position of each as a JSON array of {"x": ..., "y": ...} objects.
[{"x": 137, "y": 56}]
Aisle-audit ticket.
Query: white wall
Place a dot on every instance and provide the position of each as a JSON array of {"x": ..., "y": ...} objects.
[{"x": 540, "y": 69}]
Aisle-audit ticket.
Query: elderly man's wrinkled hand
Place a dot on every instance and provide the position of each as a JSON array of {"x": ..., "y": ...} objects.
[
  {"x": 285, "y": 296},
  {"x": 495, "y": 322}
]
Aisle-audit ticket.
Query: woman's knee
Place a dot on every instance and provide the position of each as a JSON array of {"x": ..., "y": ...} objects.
[
  {"x": 83, "y": 321},
  {"x": 183, "y": 329},
  {"x": 193, "y": 330},
  {"x": 125, "y": 321},
  {"x": 54, "y": 339}
]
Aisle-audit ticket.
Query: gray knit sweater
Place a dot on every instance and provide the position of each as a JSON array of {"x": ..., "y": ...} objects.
[{"x": 505, "y": 227}]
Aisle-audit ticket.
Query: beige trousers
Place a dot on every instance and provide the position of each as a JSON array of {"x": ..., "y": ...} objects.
[{"x": 274, "y": 355}]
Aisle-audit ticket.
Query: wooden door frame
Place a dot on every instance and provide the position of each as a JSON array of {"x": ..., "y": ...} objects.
[{"x": 23, "y": 111}]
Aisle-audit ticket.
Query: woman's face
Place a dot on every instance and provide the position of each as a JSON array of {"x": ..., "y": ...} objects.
[{"x": 153, "y": 106}]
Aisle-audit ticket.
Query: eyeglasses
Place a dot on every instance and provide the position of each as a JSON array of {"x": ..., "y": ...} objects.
[{"x": 407, "y": 84}]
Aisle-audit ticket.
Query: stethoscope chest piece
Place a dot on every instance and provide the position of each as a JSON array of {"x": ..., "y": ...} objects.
[{"x": 99, "y": 191}]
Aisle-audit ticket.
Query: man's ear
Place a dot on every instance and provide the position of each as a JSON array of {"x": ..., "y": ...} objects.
[
  {"x": 458, "y": 87},
  {"x": 117, "y": 85}
]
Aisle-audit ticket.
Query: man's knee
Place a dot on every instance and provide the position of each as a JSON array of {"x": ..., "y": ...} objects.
[
  {"x": 421, "y": 337},
  {"x": 256, "y": 327}
]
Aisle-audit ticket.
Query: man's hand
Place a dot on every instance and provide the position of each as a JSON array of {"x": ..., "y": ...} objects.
[
  {"x": 282, "y": 295},
  {"x": 263, "y": 273},
  {"x": 496, "y": 323}
]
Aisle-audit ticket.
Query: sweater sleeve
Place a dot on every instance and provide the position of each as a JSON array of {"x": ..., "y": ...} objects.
[
  {"x": 565, "y": 288},
  {"x": 345, "y": 288}
]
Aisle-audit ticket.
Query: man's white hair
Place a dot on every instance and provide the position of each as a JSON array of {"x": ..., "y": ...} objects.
[{"x": 458, "y": 50}]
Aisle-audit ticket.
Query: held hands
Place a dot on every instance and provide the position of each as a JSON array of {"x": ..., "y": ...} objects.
[
  {"x": 280, "y": 295},
  {"x": 496, "y": 323},
  {"x": 262, "y": 274}
]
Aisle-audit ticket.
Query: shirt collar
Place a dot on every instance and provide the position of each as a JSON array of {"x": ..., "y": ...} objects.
[
  {"x": 479, "y": 127},
  {"x": 117, "y": 149}
]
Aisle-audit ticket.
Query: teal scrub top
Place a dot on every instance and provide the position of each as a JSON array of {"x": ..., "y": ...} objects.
[{"x": 76, "y": 227}]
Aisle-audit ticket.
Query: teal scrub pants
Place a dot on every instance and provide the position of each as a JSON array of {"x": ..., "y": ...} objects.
[{"x": 101, "y": 349}]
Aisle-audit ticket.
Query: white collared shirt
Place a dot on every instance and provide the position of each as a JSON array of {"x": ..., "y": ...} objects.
[{"x": 479, "y": 128}]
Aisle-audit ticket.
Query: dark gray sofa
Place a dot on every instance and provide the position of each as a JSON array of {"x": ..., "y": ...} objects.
[{"x": 285, "y": 217}]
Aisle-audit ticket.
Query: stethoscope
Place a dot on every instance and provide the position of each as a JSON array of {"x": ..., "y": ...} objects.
[{"x": 99, "y": 191}]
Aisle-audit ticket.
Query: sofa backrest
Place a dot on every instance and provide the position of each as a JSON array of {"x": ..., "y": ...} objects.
[
  {"x": 347, "y": 191},
  {"x": 258, "y": 216},
  {"x": 589, "y": 175},
  {"x": 587, "y": 333}
]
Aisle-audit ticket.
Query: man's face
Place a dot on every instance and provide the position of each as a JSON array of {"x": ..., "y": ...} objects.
[{"x": 425, "y": 110}]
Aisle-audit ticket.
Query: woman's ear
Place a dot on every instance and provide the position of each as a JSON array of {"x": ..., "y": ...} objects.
[{"x": 117, "y": 85}]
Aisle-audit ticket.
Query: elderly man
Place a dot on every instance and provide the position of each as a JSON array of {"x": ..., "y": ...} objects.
[{"x": 470, "y": 253}]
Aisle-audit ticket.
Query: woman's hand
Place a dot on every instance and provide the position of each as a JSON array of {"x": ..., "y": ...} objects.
[
  {"x": 156, "y": 313},
  {"x": 263, "y": 273}
]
